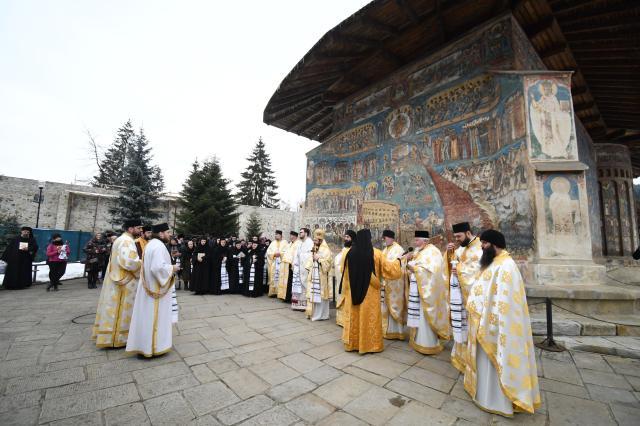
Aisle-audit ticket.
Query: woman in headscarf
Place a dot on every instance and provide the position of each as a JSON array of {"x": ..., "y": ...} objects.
[
  {"x": 363, "y": 268},
  {"x": 221, "y": 268},
  {"x": 201, "y": 274}
]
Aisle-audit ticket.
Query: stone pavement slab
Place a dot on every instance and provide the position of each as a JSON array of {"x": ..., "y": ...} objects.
[{"x": 254, "y": 361}]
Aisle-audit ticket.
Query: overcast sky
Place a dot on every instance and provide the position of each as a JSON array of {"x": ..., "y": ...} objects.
[{"x": 195, "y": 74}]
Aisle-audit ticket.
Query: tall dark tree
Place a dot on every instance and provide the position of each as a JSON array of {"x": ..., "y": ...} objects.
[
  {"x": 208, "y": 207},
  {"x": 258, "y": 186},
  {"x": 112, "y": 164},
  {"x": 254, "y": 226},
  {"x": 141, "y": 186}
]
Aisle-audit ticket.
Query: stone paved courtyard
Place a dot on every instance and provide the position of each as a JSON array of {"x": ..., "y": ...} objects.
[{"x": 254, "y": 361}]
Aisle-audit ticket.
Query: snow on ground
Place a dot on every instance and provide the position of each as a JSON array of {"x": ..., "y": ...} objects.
[{"x": 74, "y": 270}]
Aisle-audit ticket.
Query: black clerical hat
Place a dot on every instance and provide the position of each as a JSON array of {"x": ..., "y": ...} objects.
[
  {"x": 494, "y": 237},
  {"x": 461, "y": 227},
  {"x": 294, "y": 233},
  {"x": 131, "y": 223},
  {"x": 421, "y": 234},
  {"x": 147, "y": 228},
  {"x": 389, "y": 233},
  {"x": 160, "y": 227},
  {"x": 278, "y": 232}
]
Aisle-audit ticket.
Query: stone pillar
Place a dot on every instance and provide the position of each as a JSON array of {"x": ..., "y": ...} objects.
[
  {"x": 562, "y": 253},
  {"x": 615, "y": 179}
]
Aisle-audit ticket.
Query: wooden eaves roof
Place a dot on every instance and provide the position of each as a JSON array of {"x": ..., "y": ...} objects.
[{"x": 597, "y": 39}]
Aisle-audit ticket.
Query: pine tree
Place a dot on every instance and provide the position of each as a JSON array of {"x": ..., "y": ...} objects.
[
  {"x": 111, "y": 166},
  {"x": 142, "y": 184},
  {"x": 254, "y": 226},
  {"x": 207, "y": 204},
  {"x": 258, "y": 186}
]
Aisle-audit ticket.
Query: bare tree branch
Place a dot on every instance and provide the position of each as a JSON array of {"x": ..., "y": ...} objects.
[{"x": 94, "y": 149}]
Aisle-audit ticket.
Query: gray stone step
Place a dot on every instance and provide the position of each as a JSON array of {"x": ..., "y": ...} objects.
[{"x": 603, "y": 299}]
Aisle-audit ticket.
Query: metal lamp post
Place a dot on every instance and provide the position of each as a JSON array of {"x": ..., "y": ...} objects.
[{"x": 40, "y": 188}]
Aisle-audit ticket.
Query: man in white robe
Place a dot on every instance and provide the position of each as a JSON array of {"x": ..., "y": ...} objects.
[
  {"x": 428, "y": 311},
  {"x": 500, "y": 374},
  {"x": 150, "y": 333},
  {"x": 286, "y": 273},
  {"x": 117, "y": 296},
  {"x": 299, "y": 283},
  {"x": 275, "y": 252},
  {"x": 392, "y": 294},
  {"x": 462, "y": 263},
  {"x": 349, "y": 237},
  {"x": 319, "y": 289}
]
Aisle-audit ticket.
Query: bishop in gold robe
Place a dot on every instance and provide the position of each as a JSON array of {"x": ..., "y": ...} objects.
[
  {"x": 115, "y": 305},
  {"x": 500, "y": 374},
  {"x": 364, "y": 266},
  {"x": 428, "y": 310},
  {"x": 286, "y": 274},
  {"x": 338, "y": 272},
  {"x": 392, "y": 294},
  {"x": 274, "y": 262},
  {"x": 461, "y": 265},
  {"x": 319, "y": 289}
]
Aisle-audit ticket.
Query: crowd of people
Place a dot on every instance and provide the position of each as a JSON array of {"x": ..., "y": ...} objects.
[{"x": 471, "y": 294}]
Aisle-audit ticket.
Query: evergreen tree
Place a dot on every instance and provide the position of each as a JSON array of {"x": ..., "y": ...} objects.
[
  {"x": 142, "y": 184},
  {"x": 207, "y": 204},
  {"x": 254, "y": 226},
  {"x": 258, "y": 186},
  {"x": 111, "y": 167}
]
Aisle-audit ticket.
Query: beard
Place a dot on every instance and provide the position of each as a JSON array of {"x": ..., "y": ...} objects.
[
  {"x": 348, "y": 243},
  {"x": 466, "y": 242},
  {"x": 488, "y": 255}
]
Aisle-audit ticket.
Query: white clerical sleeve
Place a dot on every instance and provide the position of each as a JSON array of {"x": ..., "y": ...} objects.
[
  {"x": 162, "y": 269},
  {"x": 128, "y": 256}
]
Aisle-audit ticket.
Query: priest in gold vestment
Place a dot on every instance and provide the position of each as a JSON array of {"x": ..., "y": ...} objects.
[
  {"x": 286, "y": 273},
  {"x": 337, "y": 273},
  {"x": 274, "y": 262},
  {"x": 392, "y": 294},
  {"x": 500, "y": 374},
  {"x": 319, "y": 289},
  {"x": 364, "y": 266},
  {"x": 115, "y": 305},
  {"x": 428, "y": 309},
  {"x": 461, "y": 265}
]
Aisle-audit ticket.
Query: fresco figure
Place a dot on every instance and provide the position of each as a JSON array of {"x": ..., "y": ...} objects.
[
  {"x": 565, "y": 212},
  {"x": 550, "y": 125}
]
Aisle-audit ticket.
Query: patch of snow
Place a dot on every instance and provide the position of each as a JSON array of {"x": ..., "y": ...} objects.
[{"x": 74, "y": 270}]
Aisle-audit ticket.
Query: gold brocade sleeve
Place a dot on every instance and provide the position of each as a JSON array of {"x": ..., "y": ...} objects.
[{"x": 387, "y": 269}]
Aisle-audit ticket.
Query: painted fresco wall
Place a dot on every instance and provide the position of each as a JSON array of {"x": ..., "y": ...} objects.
[{"x": 440, "y": 142}]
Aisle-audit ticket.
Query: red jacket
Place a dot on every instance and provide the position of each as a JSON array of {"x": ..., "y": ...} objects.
[{"x": 54, "y": 256}]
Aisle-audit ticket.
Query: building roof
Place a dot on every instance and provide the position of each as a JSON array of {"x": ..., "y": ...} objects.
[{"x": 597, "y": 39}]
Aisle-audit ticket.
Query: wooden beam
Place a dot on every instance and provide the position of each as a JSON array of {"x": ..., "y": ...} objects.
[
  {"x": 387, "y": 29},
  {"x": 583, "y": 106},
  {"x": 590, "y": 119},
  {"x": 282, "y": 113},
  {"x": 408, "y": 10},
  {"x": 539, "y": 27},
  {"x": 599, "y": 12},
  {"x": 364, "y": 41},
  {"x": 553, "y": 50},
  {"x": 306, "y": 117},
  {"x": 630, "y": 28},
  {"x": 577, "y": 90},
  {"x": 583, "y": 22}
]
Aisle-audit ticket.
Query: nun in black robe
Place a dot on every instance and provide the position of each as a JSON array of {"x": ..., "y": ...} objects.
[
  {"x": 19, "y": 255},
  {"x": 221, "y": 270},
  {"x": 253, "y": 271},
  {"x": 201, "y": 270},
  {"x": 236, "y": 268}
]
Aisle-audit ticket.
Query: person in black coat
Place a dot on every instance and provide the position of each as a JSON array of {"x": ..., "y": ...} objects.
[
  {"x": 201, "y": 273},
  {"x": 236, "y": 266},
  {"x": 221, "y": 263},
  {"x": 19, "y": 255},
  {"x": 185, "y": 265},
  {"x": 253, "y": 271}
]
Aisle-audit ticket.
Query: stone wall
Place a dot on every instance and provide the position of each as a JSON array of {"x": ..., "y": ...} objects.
[
  {"x": 85, "y": 208},
  {"x": 271, "y": 219}
]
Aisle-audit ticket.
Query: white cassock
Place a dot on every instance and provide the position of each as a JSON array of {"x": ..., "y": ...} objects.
[
  {"x": 299, "y": 282},
  {"x": 150, "y": 333}
]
